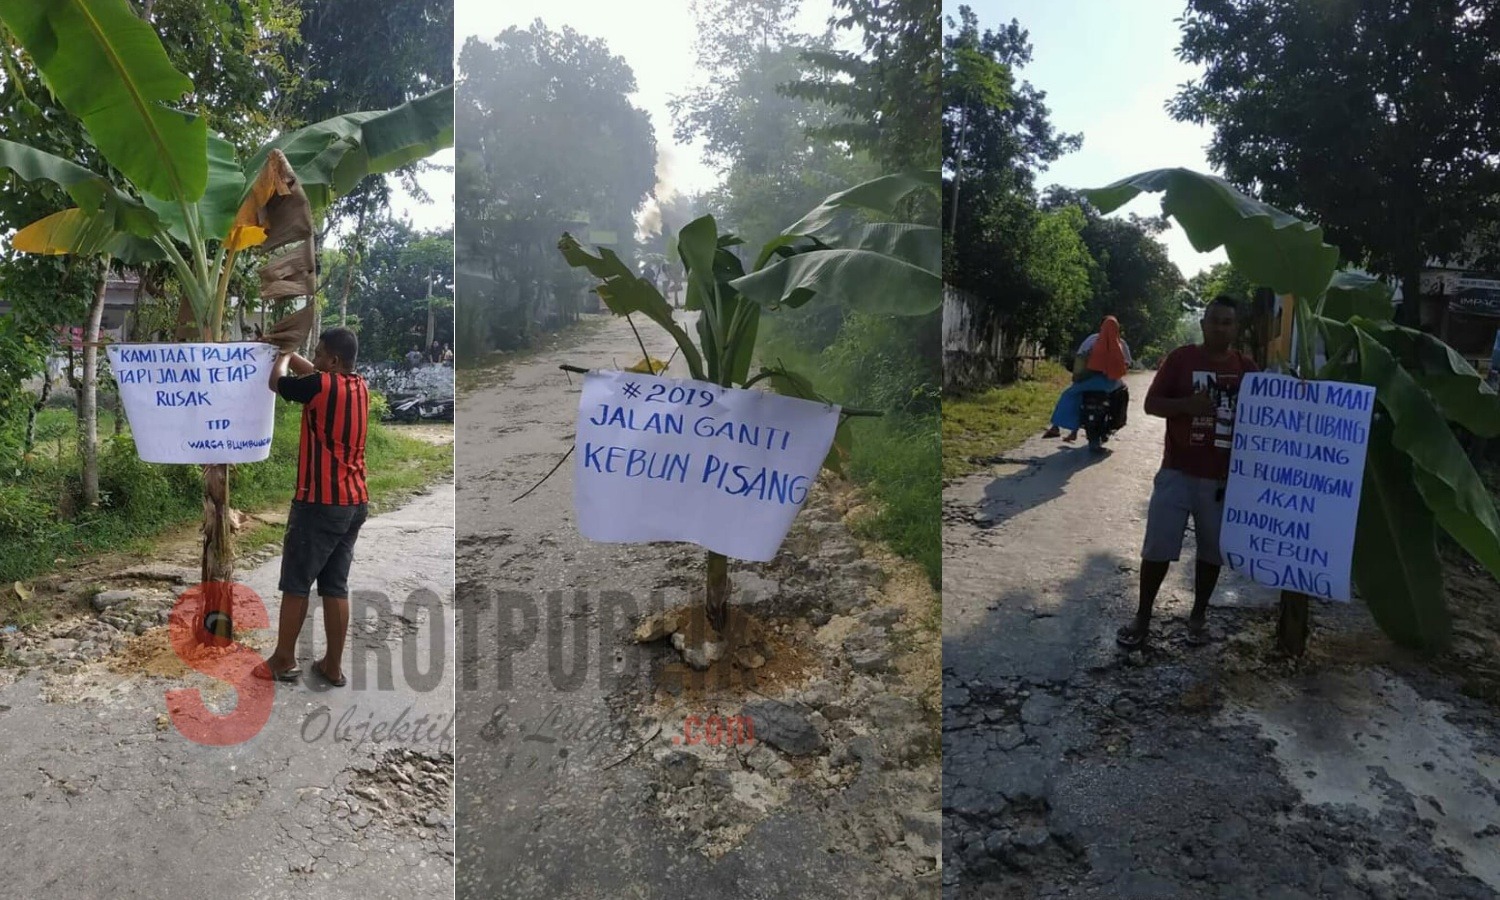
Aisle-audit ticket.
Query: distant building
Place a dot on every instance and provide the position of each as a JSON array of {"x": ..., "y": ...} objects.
[
  {"x": 119, "y": 303},
  {"x": 1462, "y": 307}
]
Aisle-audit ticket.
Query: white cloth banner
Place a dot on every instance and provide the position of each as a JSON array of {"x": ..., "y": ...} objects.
[
  {"x": 1295, "y": 474},
  {"x": 197, "y": 403},
  {"x": 667, "y": 459}
]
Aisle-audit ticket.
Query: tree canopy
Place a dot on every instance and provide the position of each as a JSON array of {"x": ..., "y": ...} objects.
[
  {"x": 547, "y": 141},
  {"x": 1378, "y": 120}
]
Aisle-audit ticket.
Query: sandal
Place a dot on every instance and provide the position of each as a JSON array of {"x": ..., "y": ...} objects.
[
  {"x": 1197, "y": 634},
  {"x": 264, "y": 673},
  {"x": 1131, "y": 639},
  {"x": 318, "y": 669}
]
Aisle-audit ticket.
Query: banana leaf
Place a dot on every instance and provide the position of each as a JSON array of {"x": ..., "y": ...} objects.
[
  {"x": 106, "y": 66},
  {"x": 625, "y": 293},
  {"x": 1351, "y": 294},
  {"x": 1269, "y": 246},
  {"x": 1396, "y": 565},
  {"x": 73, "y": 231},
  {"x": 1443, "y": 475},
  {"x": 93, "y": 193},
  {"x": 332, "y": 156},
  {"x": 880, "y": 196},
  {"x": 698, "y": 249},
  {"x": 860, "y": 279},
  {"x": 1453, "y": 384},
  {"x": 220, "y": 200}
]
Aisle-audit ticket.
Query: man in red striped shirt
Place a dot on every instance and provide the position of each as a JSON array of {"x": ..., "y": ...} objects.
[{"x": 331, "y": 500}]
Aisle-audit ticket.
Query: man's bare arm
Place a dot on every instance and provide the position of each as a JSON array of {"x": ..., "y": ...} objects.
[
  {"x": 279, "y": 369},
  {"x": 301, "y": 365}
]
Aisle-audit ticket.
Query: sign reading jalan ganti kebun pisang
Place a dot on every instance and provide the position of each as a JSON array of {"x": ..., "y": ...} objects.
[
  {"x": 197, "y": 403},
  {"x": 666, "y": 459}
]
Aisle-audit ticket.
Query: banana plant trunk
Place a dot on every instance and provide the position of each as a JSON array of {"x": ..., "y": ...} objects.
[
  {"x": 1293, "y": 623},
  {"x": 218, "y": 548},
  {"x": 218, "y": 552},
  {"x": 716, "y": 596},
  {"x": 1294, "y": 613}
]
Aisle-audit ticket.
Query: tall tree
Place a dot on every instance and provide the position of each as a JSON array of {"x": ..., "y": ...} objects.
[
  {"x": 1133, "y": 279},
  {"x": 1220, "y": 278},
  {"x": 890, "y": 91},
  {"x": 753, "y": 131},
  {"x": 353, "y": 54},
  {"x": 995, "y": 229},
  {"x": 1380, "y": 120},
  {"x": 548, "y": 141},
  {"x": 388, "y": 295}
]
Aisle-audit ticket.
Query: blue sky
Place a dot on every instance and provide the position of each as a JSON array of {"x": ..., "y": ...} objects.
[{"x": 1108, "y": 67}]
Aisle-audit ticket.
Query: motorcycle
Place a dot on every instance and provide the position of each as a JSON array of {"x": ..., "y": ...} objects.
[
  {"x": 1103, "y": 414},
  {"x": 437, "y": 410},
  {"x": 419, "y": 408}
]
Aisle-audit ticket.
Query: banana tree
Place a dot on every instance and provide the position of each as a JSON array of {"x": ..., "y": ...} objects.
[
  {"x": 832, "y": 255},
  {"x": 1417, "y": 478},
  {"x": 187, "y": 199}
]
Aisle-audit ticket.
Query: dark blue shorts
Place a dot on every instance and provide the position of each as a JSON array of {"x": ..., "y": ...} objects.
[{"x": 319, "y": 547}]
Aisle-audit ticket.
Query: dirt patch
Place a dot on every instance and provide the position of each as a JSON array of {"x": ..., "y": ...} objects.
[
  {"x": 152, "y": 655},
  {"x": 438, "y": 434},
  {"x": 495, "y": 368},
  {"x": 766, "y": 657},
  {"x": 844, "y": 692}
]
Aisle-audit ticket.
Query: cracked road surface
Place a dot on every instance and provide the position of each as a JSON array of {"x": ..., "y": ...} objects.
[
  {"x": 104, "y": 798},
  {"x": 1073, "y": 770}
]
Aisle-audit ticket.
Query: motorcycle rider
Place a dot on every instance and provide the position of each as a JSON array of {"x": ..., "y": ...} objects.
[{"x": 1099, "y": 365}]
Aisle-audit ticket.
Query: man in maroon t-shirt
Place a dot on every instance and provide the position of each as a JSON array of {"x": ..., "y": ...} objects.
[{"x": 1195, "y": 391}]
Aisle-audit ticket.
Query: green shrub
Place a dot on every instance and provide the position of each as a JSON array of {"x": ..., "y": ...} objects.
[
  {"x": 380, "y": 408},
  {"x": 23, "y": 512}
]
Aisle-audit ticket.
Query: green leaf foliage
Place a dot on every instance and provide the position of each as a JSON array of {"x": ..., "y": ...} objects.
[
  {"x": 107, "y": 67},
  {"x": 1269, "y": 246}
]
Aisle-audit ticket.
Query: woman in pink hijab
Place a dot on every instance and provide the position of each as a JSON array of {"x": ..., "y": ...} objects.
[{"x": 1100, "y": 365}]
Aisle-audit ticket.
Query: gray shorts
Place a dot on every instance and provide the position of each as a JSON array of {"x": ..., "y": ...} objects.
[
  {"x": 319, "y": 547},
  {"x": 1175, "y": 496}
]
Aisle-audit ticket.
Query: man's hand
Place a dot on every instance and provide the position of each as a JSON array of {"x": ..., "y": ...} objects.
[
  {"x": 1200, "y": 405},
  {"x": 279, "y": 369}
]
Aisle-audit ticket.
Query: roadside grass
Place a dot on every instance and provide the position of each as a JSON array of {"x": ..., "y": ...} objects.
[
  {"x": 895, "y": 461},
  {"x": 44, "y": 527},
  {"x": 999, "y": 419}
]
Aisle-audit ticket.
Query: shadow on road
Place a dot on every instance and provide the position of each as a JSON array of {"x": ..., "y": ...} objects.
[{"x": 1024, "y": 482}]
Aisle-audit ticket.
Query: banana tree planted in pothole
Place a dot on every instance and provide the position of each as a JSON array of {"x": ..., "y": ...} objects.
[
  {"x": 1417, "y": 477},
  {"x": 187, "y": 200},
  {"x": 834, "y": 254}
]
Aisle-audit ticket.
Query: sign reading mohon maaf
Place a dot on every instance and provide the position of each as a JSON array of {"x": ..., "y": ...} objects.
[
  {"x": 197, "y": 403},
  {"x": 666, "y": 459},
  {"x": 1295, "y": 473}
]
